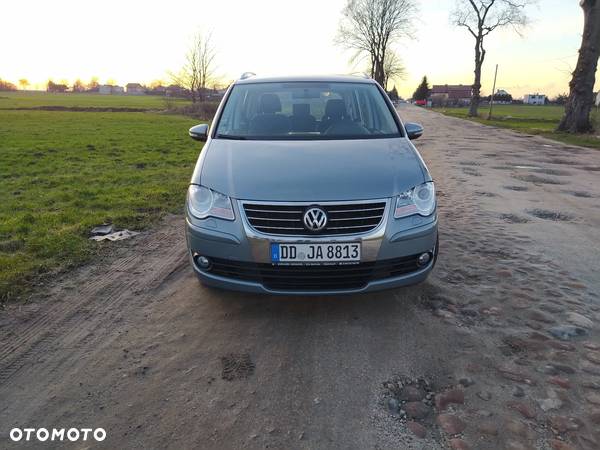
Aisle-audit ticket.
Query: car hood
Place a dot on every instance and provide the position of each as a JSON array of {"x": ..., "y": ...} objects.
[{"x": 310, "y": 170}]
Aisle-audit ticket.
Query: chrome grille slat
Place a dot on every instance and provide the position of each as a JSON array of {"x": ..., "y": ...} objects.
[
  {"x": 266, "y": 218},
  {"x": 286, "y": 219},
  {"x": 332, "y": 219},
  {"x": 280, "y": 228},
  {"x": 279, "y": 212},
  {"x": 350, "y": 228},
  {"x": 356, "y": 210}
]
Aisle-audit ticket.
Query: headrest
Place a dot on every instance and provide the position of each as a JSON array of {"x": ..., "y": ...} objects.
[
  {"x": 335, "y": 108},
  {"x": 270, "y": 103},
  {"x": 301, "y": 109}
]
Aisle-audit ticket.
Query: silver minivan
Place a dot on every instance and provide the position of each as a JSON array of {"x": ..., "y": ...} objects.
[{"x": 310, "y": 185}]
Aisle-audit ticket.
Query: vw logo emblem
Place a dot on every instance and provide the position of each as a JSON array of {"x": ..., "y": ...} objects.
[{"x": 315, "y": 219}]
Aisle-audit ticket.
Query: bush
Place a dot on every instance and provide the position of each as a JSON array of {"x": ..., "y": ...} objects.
[{"x": 199, "y": 110}]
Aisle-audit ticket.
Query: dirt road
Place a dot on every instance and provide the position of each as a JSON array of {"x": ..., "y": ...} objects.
[{"x": 498, "y": 349}]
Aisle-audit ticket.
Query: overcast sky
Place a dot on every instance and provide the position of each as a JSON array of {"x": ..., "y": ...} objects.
[{"x": 140, "y": 41}]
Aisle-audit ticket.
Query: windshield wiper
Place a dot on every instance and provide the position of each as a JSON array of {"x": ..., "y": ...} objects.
[{"x": 231, "y": 136}]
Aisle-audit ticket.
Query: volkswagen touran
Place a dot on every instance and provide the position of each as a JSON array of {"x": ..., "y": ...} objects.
[{"x": 310, "y": 185}]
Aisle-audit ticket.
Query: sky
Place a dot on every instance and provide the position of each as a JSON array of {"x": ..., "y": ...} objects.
[{"x": 141, "y": 41}]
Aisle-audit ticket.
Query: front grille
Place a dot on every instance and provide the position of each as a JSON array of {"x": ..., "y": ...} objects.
[
  {"x": 312, "y": 278},
  {"x": 342, "y": 218}
]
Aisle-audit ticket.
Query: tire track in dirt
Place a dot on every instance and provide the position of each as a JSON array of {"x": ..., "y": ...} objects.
[{"x": 82, "y": 311}]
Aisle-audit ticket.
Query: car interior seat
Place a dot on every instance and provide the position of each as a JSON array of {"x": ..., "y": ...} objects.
[
  {"x": 268, "y": 120},
  {"x": 335, "y": 111},
  {"x": 301, "y": 119}
]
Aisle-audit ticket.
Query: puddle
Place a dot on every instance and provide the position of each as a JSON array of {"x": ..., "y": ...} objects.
[
  {"x": 517, "y": 188},
  {"x": 546, "y": 214},
  {"x": 538, "y": 180},
  {"x": 513, "y": 218},
  {"x": 580, "y": 194}
]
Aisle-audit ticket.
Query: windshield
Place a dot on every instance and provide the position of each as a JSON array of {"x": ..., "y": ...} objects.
[{"x": 306, "y": 110}]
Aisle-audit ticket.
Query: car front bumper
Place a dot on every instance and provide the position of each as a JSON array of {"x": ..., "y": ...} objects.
[{"x": 240, "y": 257}]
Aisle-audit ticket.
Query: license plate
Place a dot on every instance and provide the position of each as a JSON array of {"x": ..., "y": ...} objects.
[{"x": 332, "y": 253}]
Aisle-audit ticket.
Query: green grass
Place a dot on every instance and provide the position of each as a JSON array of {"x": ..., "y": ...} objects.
[
  {"x": 541, "y": 120},
  {"x": 61, "y": 173},
  {"x": 20, "y": 99}
]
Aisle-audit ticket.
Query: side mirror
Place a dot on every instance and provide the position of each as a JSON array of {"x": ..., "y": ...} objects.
[
  {"x": 413, "y": 130},
  {"x": 199, "y": 132}
]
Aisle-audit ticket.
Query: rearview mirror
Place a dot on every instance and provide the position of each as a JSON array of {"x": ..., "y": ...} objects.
[
  {"x": 199, "y": 132},
  {"x": 413, "y": 130}
]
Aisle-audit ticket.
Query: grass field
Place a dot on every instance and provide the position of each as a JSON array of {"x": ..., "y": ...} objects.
[
  {"x": 61, "y": 173},
  {"x": 21, "y": 99},
  {"x": 541, "y": 120}
]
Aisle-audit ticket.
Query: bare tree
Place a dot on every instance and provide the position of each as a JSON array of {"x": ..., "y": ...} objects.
[
  {"x": 370, "y": 27},
  {"x": 78, "y": 86},
  {"x": 199, "y": 68},
  {"x": 480, "y": 18},
  {"x": 581, "y": 96},
  {"x": 393, "y": 69},
  {"x": 92, "y": 86}
]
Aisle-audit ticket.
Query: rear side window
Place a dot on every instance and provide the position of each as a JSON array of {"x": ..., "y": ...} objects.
[{"x": 306, "y": 110}]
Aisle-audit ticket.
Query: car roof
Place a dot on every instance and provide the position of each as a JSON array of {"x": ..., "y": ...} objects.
[{"x": 307, "y": 78}]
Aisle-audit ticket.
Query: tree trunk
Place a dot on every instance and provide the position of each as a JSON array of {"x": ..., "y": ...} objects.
[
  {"x": 479, "y": 57},
  {"x": 379, "y": 73},
  {"x": 581, "y": 96}
]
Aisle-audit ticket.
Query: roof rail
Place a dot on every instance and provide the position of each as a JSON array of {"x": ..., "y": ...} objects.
[
  {"x": 360, "y": 74},
  {"x": 247, "y": 75}
]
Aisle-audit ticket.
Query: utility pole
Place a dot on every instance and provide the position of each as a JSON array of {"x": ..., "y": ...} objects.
[{"x": 493, "y": 93}]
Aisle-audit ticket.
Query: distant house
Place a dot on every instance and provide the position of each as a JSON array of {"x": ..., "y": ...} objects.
[
  {"x": 449, "y": 94},
  {"x": 110, "y": 89},
  {"x": 135, "y": 89},
  {"x": 156, "y": 90},
  {"x": 534, "y": 99},
  {"x": 175, "y": 91}
]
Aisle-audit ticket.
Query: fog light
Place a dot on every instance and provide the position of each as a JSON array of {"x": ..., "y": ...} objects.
[
  {"x": 424, "y": 259},
  {"x": 202, "y": 261}
]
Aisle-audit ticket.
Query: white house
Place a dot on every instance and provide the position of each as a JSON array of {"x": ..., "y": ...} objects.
[{"x": 534, "y": 99}]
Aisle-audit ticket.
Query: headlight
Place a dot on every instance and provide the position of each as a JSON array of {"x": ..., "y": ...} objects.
[
  {"x": 418, "y": 200},
  {"x": 204, "y": 202}
]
